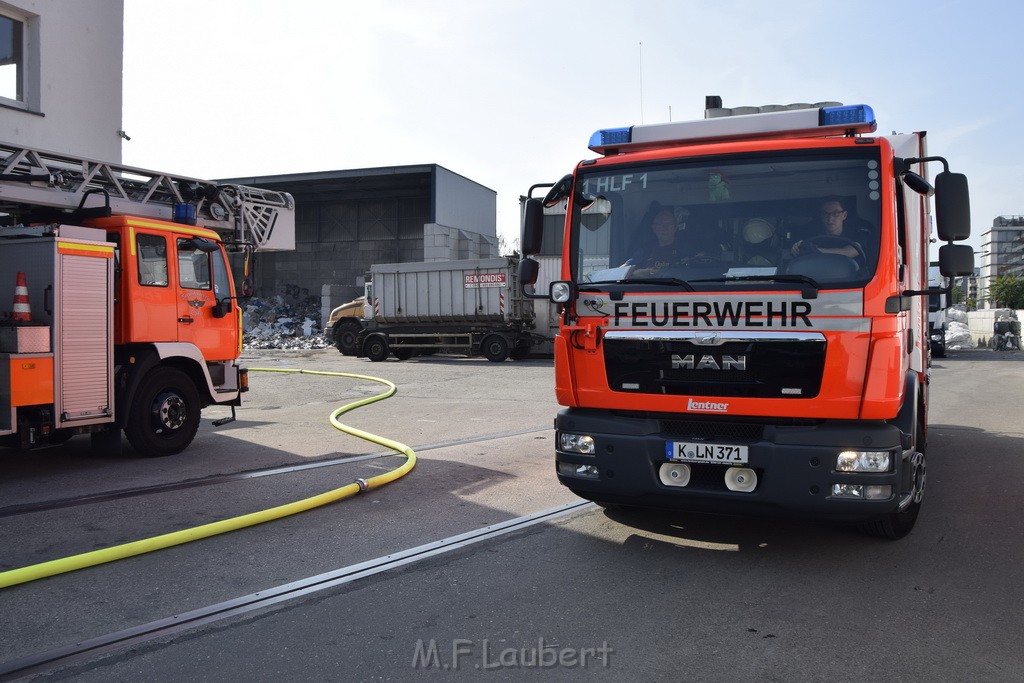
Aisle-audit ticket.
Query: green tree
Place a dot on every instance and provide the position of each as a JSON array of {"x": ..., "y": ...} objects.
[
  {"x": 957, "y": 295},
  {"x": 1007, "y": 291}
]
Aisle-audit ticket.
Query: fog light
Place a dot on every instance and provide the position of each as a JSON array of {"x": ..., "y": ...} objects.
[
  {"x": 674, "y": 474},
  {"x": 848, "y": 490},
  {"x": 573, "y": 470},
  {"x": 863, "y": 461},
  {"x": 878, "y": 492},
  {"x": 576, "y": 443}
]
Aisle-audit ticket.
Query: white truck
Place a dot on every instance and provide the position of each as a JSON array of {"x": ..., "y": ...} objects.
[{"x": 938, "y": 304}]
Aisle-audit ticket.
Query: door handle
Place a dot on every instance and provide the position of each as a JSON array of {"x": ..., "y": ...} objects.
[{"x": 186, "y": 320}]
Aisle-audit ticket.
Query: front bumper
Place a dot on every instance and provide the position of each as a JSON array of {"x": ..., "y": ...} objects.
[{"x": 794, "y": 462}]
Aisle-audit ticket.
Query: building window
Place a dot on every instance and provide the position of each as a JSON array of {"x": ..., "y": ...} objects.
[{"x": 12, "y": 59}]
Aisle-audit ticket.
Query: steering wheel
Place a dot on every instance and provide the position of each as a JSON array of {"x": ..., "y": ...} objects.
[
  {"x": 701, "y": 260},
  {"x": 818, "y": 242}
]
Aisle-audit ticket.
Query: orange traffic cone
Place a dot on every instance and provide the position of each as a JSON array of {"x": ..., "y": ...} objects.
[{"x": 22, "y": 311}]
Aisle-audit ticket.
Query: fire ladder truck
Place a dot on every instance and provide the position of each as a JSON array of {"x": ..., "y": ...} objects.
[{"x": 124, "y": 314}]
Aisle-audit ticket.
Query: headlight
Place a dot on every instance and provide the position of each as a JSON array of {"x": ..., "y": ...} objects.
[
  {"x": 560, "y": 292},
  {"x": 576, "y": 443},
  {"x": 863, "y": 461}
]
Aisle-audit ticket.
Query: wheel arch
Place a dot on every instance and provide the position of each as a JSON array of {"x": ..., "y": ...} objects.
[
  {"x": 914, "y": 411},
  {"x": 135, "y": 362}
]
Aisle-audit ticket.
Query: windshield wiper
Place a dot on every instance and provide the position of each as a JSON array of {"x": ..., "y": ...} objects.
[
  {"x": 809, "y": 291},
  {"x": 671, "y": 281}
]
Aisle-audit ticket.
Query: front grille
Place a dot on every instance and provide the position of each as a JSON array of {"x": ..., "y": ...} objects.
[
  {"x": 769, "y": 368},
  {"x": 699, "y": 430}
]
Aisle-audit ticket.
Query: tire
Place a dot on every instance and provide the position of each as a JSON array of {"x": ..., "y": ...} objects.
[
  {"x": 164, "y": 416},
  {"x": 520, "y": 351},
  {"x": 376, "y": 348},
  {"x": 346, "y": 335},
  {"x": 898, "y": 524},
  {"x": 495, "y": 348}
]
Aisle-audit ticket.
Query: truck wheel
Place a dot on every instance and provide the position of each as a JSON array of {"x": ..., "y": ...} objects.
[
  {"x": 346, "y": 333},
  {"x": 898, "y": 524},
  {"x": 376, "y": 348},
  {"x": 495, "y": 348},
  {"x": 164, "y": 416},
  {"x": 520, "y": 351}
]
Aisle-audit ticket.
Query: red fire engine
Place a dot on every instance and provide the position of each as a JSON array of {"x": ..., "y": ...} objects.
[
  {"x": 126, "y": 314},
  {"x": 744, "y": 314}
]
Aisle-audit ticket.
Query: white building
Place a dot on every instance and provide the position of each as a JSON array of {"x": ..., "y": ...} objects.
[
  {"x": 1002, "y": 253},
  {"x": 60, "y": 76}
]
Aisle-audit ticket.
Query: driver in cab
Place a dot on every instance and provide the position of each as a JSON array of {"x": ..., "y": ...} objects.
[
  {"x": 666, "y": 249},
  {"x": 831, "y": 240}
]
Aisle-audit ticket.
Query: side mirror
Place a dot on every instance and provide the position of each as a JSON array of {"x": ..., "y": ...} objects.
[
  {"x": 204, "y": 245},
  {"x": 533, "y": 227},
  {"x": 952, "y": 207},
  {"x": 558, "y": 191},
  {"x": 956, "y": 260},
  {"x": 222, "y": 308},
  {"x": 527, "y": 272},
  {"x": 918, "y": 184}
]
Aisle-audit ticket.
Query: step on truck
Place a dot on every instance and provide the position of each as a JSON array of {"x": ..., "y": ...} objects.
[
  {"x": 125, "y": 312},
  {"x": 473, "y": 306},
  {"x": 760, "y": 360}
]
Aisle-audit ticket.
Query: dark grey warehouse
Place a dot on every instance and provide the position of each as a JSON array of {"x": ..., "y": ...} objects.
[{"x": 347, "y": 220}]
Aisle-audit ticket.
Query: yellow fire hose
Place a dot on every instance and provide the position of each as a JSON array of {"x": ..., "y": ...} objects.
[{"x": 14, "y": 577}]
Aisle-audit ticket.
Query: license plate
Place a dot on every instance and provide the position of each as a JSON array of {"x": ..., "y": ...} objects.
[{"x": 716, "y": 453}]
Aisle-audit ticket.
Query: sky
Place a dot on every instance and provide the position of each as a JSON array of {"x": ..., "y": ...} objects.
[{"x": 508, "y": 93}]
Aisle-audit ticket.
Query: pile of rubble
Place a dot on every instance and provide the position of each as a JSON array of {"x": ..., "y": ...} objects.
[
  {"x": 958, "y": 334},
  {"x": 281, "y": 322}
]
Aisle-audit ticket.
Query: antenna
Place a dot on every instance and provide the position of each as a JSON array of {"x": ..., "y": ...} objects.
[{"x": 641, "y": 82}]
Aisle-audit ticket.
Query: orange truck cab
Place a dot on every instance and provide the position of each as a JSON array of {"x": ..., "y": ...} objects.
[{"x": 723, "y": 346}]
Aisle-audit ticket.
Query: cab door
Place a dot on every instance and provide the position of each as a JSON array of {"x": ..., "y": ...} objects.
[
  {"x": 201, "y": 274},
  {"x": 149, "y": 301}
]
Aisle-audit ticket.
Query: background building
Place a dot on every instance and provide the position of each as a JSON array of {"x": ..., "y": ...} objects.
[
  {"x": 348, "y": 220},
  {"x": 60, "y": 76},
  {"x": 61, "y": 91},
  {"x": 1002, "y": 253}
]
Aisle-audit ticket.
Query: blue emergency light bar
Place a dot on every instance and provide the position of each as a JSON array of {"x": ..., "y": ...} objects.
[{"x": 818, "y": 122}]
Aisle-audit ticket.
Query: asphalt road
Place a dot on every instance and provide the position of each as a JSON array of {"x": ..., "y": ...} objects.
[{"x": 592, "y": 594}]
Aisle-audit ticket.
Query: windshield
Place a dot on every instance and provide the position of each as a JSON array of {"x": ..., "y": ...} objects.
[{"x": 809, "y": 216}]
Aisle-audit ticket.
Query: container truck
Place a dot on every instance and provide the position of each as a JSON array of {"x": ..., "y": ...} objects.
[
  {"x": 764, "y": 362},
  {"x": 472, "y": 306}
]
